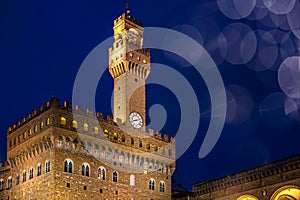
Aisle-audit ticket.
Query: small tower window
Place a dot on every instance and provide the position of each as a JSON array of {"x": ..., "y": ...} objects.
[
  {"x": 86, "y": 127},
  {"x": 96, "y": 130},
  {"x": 9, "y": 182},
  {"x": 63, "y": 121},
  {"x": 48, "y": 122},
  {"x": 74, "y": 124},
  {"x": 30, "y": 173},
  {"x": 35, "y": 128},
  {"x": 30, "y": 132},
  {"x": 24, "y": 135},
  {"x": 47, "y": 166},
  {"x": 115, "y": 176},
  {"x": 162, "y": 186},
  {"x": 24, "y": 176},
  {"x": 152, "y": 184},
  {"x": 38, "y": 170},
  {"x": 18, "y": 180},
  {"x": 41, "y": 125}
]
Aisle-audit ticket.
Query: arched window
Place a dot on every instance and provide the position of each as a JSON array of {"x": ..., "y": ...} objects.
[
  {"x": 30, "y": 173},
  {"x": 38, "y": 170},
  {"x": 9, "y": 182},
  {"x": 115, "y": 177},
  {"x": 68, "y": 166},
  {"x": 85, "y": 171},
  {"x": 35, "y": 128},
  {"x": 115, "y": 136},
  {"x": 85, "y": 127},
  {"x": 74, "y": 124},
  {"x": 1, "y": 184},
  {"x": 30, "y": 132},
  {"x": 24, "y": 135},
  {"x": 162, "y": 186},
  {"x": 63, "y": 121},
  {"x": 41, "y": 125},
  {"x": 18, "y": 179},
  {"x": 96, "y": 130},
  {"x": 24, "y": 176},
  {"x": 152, "y": 184},
  {"x": 101, "y": 173},
  {"x": 47, "y": 166},
  {"x": 48, "y": 122},
  {"x": 132, "y": 180}
]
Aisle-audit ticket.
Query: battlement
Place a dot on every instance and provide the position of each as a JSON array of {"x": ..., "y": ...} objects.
[
  {"x": 127, "y": 16},
  {"x": 3, "y": 164},
  {"x": 78, "y": 110}
]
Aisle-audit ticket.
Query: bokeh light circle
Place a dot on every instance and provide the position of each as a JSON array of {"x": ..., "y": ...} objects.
[
  {"x": 241, "y": 43},
  {"x": 236, "y": 9},
  {"x": 280, "y": 7},
  {"x": 294, "y": 19},
  {"x": 289, "y": 76}
]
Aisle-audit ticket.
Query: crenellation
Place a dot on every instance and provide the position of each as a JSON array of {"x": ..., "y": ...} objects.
[
  {"x": 34, "y": 113},
  {"x": 151, "y": 132},
  {"x": 67, "y": 105},
  {"x": 158, "y": 136},
  {"x": 90, "y": 111},
  {"x": 100, "y": 116}
]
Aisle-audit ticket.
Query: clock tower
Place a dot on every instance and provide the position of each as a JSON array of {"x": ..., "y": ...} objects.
[{"x": 129, "y": 65}]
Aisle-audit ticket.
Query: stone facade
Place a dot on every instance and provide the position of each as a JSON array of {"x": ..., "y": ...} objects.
[
  {"x": 279, "y": 180},
  {"x": 60, "y": 151}
]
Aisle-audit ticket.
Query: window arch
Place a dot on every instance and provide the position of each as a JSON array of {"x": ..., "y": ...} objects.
[
  {"x": 9, "y": 182},
  {"x": 132, "y": 180},
  {"x": 151, "y": 184},
  {"x": 1, "y": 184},
  {"x": 162, "y": 186},
  {"x": 24, "y": 176},
  {"x": 68, "y": 166},
  {"x": 101, "y": 173},
  {"x": 115, "y": 176},
  {"x": 47, "y": 166},
  {"x": 38, "y": 169},
  {"x": 85, "y": 169}
]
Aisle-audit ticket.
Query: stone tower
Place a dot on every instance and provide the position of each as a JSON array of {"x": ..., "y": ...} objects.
[
  {"x": 62, "y": 151},
  {"x": 129, "y": 65}
]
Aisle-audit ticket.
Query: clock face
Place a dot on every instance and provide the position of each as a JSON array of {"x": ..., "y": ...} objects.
[{"x": 136, "y": 120}]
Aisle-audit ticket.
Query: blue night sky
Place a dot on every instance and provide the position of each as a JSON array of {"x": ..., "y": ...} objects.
[{"x": 255, "y": 47}]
